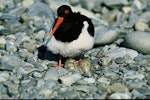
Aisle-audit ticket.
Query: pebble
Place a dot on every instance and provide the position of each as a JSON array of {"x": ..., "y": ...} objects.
[
  {"x": 69, "y": 79},
  {"x": 104, "y": 80},
  {"x": 118, "y": 87},
  {"x": 119, "y": 60},
  {"x": 85, "y": 88},
  {"x": 10, "y": 47},
  {"x": 127, "y": 9},
  {"x": 105, "y": 61},
  {"x": 89, "y": 80},
  {"x": 29, "y": 46},
  {"x": 17, "y": 11},
  {"x": 44, "y": 10},
  {"x": 2, "y": 42},
  {"x": 26, "y": 69},
  {"x": 115, "y": 2},
  {"x": 4, "y": 76},
  {"x": 141, "y": 26},
  {"x": 104, "y": 35},
  {"x": 116, "y": 52},
  {"x": 9, "y": 62},
  {"x": 37, "y": 74},
  {"x": 138, "y": 41},
  {"x": 46, "y": 92},
  {"x": 27, "y": 3},
  {"x": 137, "y": 95},
  {"x": 13, "y": 91},
  {"x": 128, "y": 59},
  {"x": 70, "y": 94},
  {"x": 125, "y": 95},
  {"x": 54, "y": 73},
  {"x": 40, "y": 35},
  {"x": 135, "y": 76}
]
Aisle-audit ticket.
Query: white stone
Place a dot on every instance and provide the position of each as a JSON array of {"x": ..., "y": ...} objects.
[
  {"x": 137, "y": 76},
  {"x": 40, "y": 35},
  {"x": 89, "y": 80},
  {"x": 105, "y": 35},
  {"x": 141, "y": 26},
  {"x": 27, "y": 3},
  {"x": 4, "y": 76},
  {"x": 69, "y": 79},
  {"x": 104, "y": 80},
  {"x": 126, "y": 9},
  {"x": 125, "y": 95},
  {"x": 2, "y": 41},
  {"x": 120, "y": 52}
]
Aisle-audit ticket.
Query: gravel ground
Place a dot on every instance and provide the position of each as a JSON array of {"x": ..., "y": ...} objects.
[{"x": 118, "y": 67}]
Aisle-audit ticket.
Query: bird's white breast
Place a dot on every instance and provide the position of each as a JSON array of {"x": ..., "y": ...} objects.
[{"x": 70, "y": 49}]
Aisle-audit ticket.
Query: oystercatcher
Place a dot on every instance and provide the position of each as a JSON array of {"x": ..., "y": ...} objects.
[{"x": 71, "y": 35}]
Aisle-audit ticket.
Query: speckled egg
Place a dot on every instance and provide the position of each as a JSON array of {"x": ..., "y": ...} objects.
[
  {"x": 83, "y": 66},
  {"x": 71, "y": 65}
]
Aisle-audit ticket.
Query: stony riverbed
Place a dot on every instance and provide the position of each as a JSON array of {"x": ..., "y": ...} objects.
[{"x": 118, "y": 67}]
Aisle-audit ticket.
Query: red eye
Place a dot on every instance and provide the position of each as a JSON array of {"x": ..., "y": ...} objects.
[{"x": 66, "y": 11}]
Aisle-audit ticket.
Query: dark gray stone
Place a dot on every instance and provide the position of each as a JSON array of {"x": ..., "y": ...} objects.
[{"x": 119, "y": 60}]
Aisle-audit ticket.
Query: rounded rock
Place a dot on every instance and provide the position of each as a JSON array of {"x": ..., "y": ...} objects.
[
  {"x": 105, "y": 35},
  {"x": 43, "y": 11},
  {"x": 120, "y": 96},
  {"x": 69, "y": 79},
  {"x": 4, "y": 76},
  {"x": 119, "y": 60},
  {"x": 40, "y": 35},
  {"x": 29, "y": 46},
  {"x": 141, "y": 26},
  {"x": 117, "y": 87},
  {"x": 2, "y": 42},
  {"x": 138, "y": 41},
  {"x": 27, "y": 3},
  {"x": 11, "y": 47}
]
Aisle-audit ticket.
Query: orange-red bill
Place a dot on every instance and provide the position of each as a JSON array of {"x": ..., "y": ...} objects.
[{"x": 59, "y": 21}]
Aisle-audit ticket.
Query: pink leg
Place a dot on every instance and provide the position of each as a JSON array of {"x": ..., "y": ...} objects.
[
  {"x": 79, "y": 61},
  {"x": 59, "y": 65}
]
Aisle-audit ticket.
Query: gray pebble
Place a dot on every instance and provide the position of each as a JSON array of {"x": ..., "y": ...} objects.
[
  {"x": 118, "y": 87},
  {"x": 4, "y": 76},
  {"x": 37, "y": 74},
  {"x": 85, "y": 88},
  {"x": 54, "y": 73},
  {"x": 11, "y": 47},
  {"x": 2, "y": 42},
  {"x": 69, "y": 79},
  {"x": 141, "y": 26},
  {"x": 9, "y": 62},
  {"x": 26, "y": 69},
  {"x": 125, "y": 95},
  {"x": 70, "y": 94},
  {"x": 43, "y": 11},
  {"x": 138, "y": 41},
  {"x": 115, "y": 2},
  {"x": 119, "y": 60},
  {"x": 105, "y": 35}
]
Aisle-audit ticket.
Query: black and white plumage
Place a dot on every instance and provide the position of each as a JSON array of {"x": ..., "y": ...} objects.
[{"x": 73, "y": 36}]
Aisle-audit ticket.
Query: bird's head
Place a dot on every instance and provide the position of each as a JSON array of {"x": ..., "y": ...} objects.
[{"x": 63, "y": 12}]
